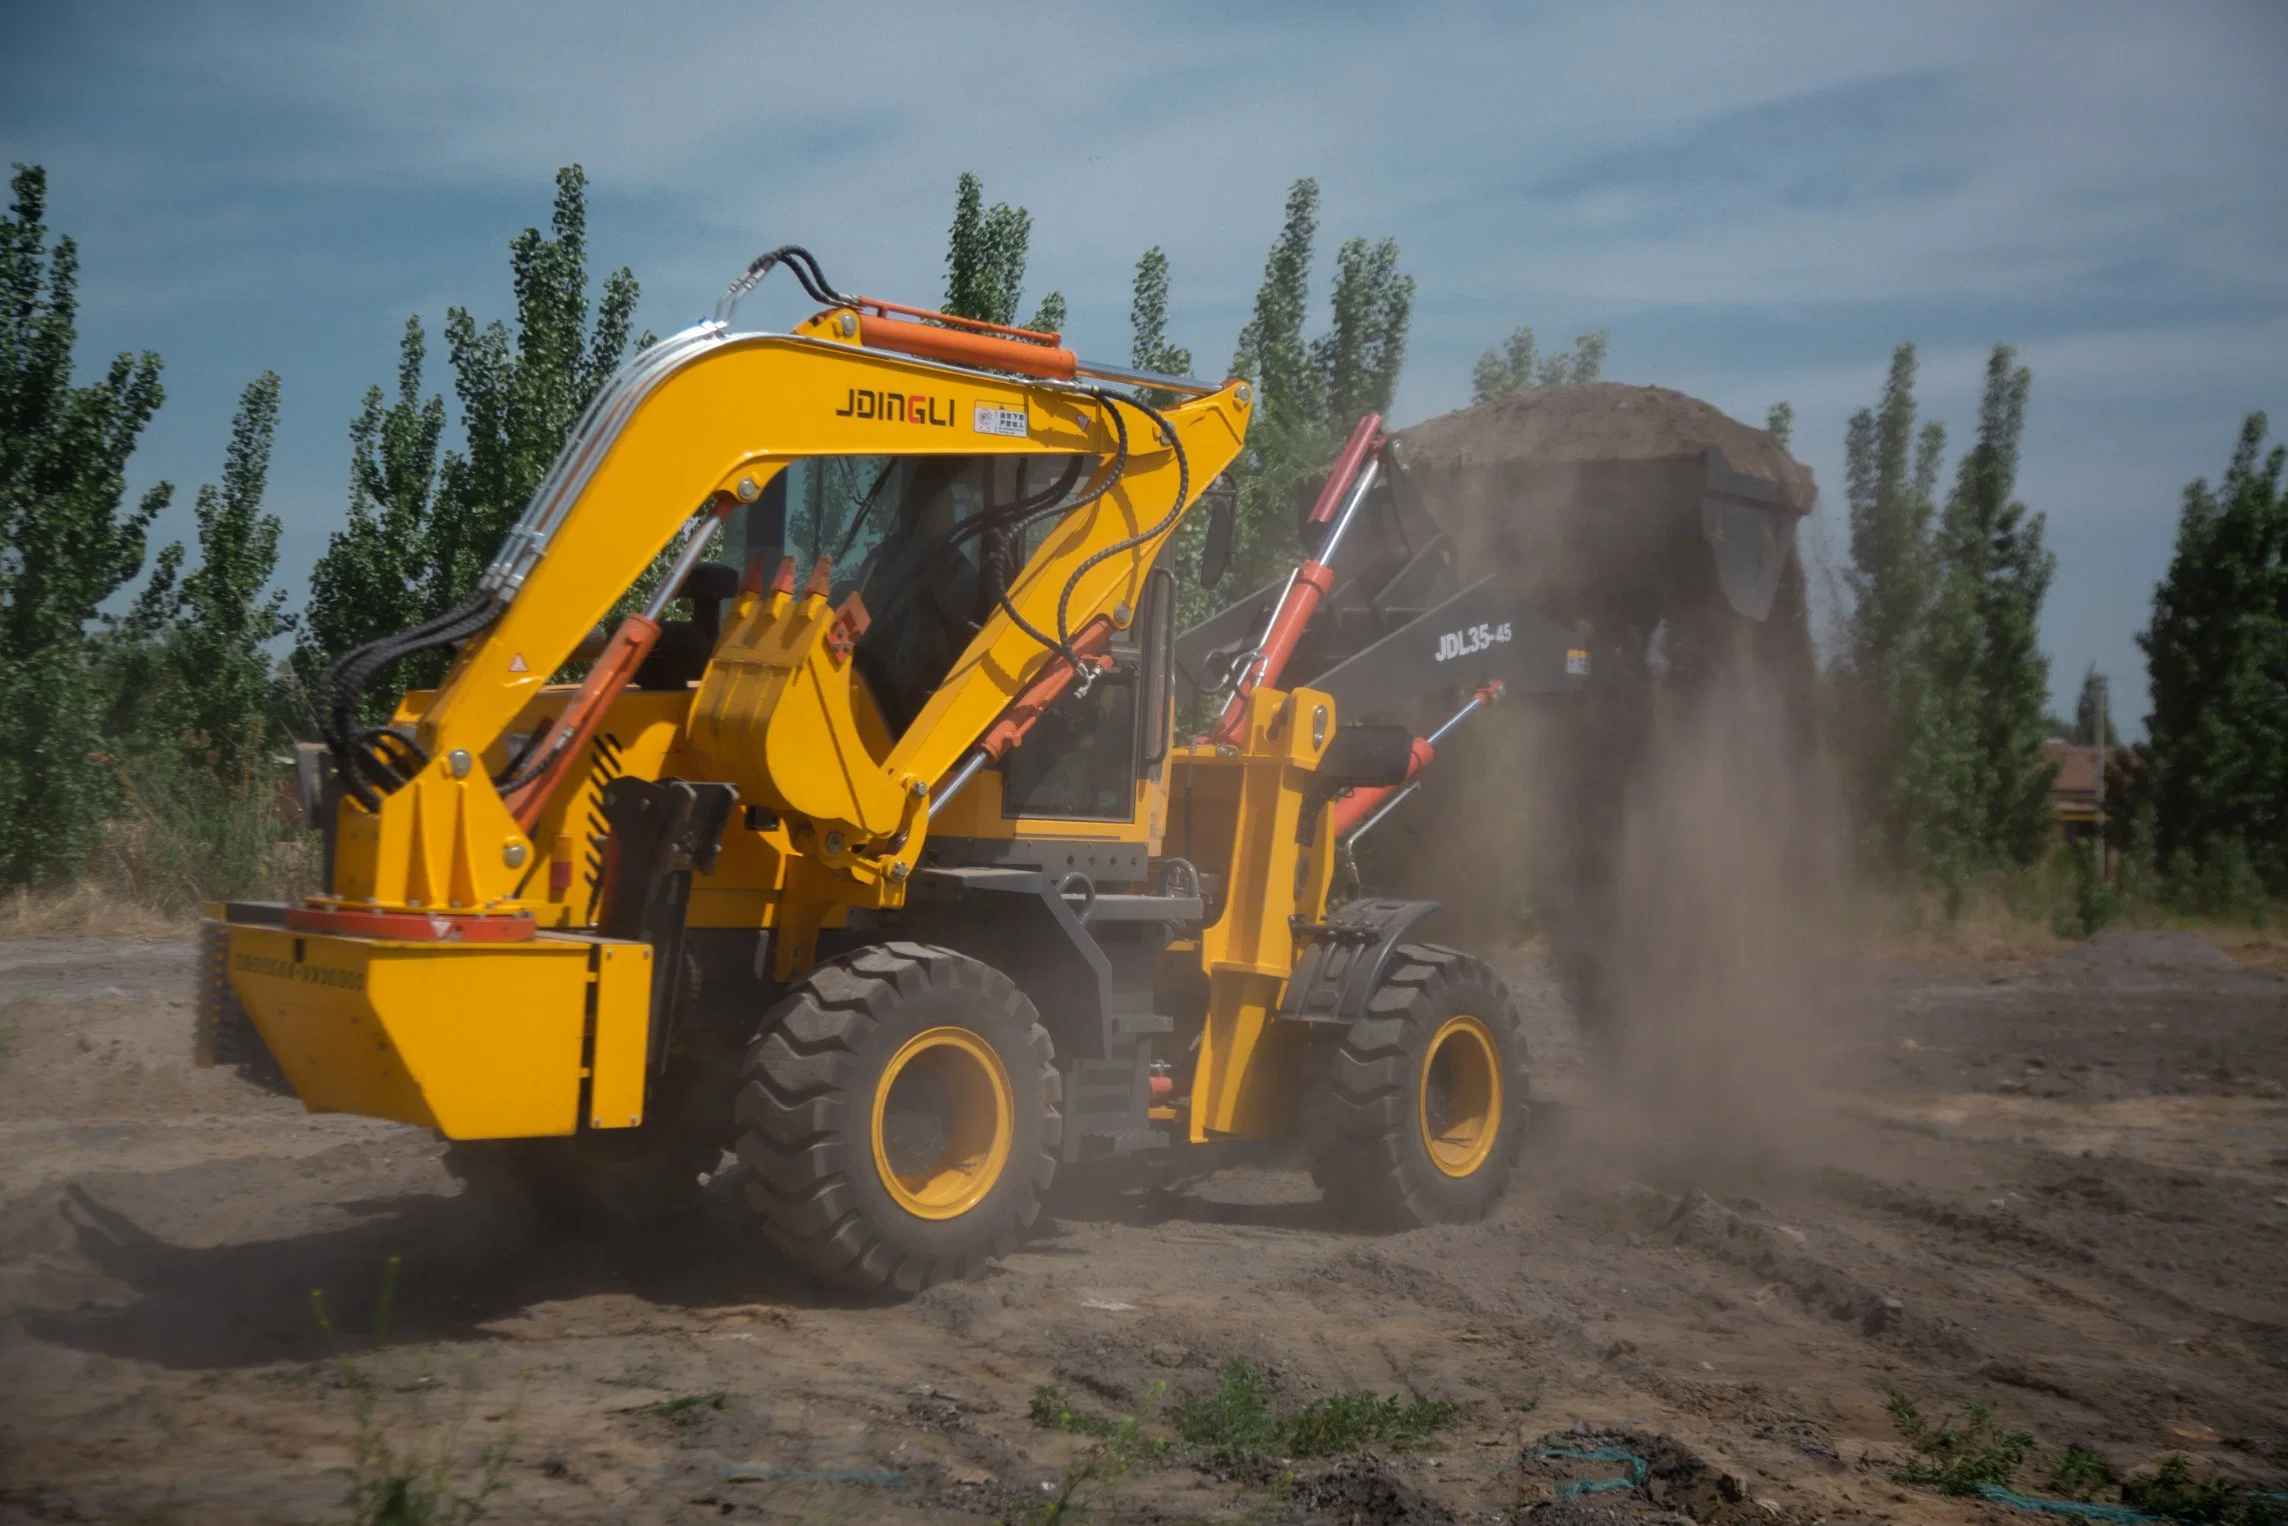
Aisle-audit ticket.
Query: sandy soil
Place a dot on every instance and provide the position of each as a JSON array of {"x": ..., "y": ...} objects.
[{"x": 2061, "y": 1187}]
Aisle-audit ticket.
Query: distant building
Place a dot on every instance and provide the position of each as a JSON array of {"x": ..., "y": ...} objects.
[{"x": 2073, "y": 789}]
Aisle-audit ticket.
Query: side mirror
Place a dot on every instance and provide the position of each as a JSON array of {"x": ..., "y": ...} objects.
[{"x": 1215, "y": 555}]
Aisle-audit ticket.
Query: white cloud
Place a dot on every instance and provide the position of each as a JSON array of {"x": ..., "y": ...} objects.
[{"x": 1731, "y": 189}]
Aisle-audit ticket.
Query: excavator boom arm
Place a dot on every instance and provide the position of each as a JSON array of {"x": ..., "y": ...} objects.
[{"x": 713, "y": 415}]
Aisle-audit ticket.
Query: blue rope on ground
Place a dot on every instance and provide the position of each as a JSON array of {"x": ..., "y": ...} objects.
[
  {"x": 2083, "y": 1508},
  {"x": 1640, "y": 1469}
]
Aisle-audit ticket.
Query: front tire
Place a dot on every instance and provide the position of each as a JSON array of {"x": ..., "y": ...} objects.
[
  {"x": 1420, "y": 1106},
  {"x": 900, "y": 1118}
]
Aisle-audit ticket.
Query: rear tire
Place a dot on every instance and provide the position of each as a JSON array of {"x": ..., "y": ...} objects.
[
  {"x": 1419, "y": 1107},
  {"x": 900, "y": 1118}
]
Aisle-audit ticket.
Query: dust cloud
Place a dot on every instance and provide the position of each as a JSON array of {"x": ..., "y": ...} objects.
[{"x": 1666, "y": 837}]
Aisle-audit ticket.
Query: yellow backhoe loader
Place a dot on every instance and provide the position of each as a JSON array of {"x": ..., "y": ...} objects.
[{"x": 866, "y": 849}]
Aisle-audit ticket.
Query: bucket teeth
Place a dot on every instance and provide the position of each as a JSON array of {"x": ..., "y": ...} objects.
[{"x": 222, "y": 1033}]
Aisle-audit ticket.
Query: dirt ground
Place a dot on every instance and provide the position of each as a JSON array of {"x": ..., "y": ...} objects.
[{"x": 2061, "y": 1187}]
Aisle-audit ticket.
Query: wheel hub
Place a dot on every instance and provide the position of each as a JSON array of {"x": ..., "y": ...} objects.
[
  {"x": 1461, "y": 1096},
  {"x": 944, "y": 1114}
]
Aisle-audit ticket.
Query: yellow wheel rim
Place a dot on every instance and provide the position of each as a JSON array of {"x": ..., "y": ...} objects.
[
  {"x": 943, "y": 1116},
  {"x": 1460, "y": 1106}
]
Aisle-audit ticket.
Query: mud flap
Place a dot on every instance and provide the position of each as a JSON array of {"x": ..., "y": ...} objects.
[{"x": 1344, "y": 956}]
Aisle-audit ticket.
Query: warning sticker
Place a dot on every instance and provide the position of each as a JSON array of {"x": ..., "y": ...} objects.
[
  {"x": 992, "y": 418},
  {"x": 516, "y": 664},
  {"x": 1576, "y": 663}
]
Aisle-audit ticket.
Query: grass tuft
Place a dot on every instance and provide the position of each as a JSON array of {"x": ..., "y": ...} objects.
[
  {"x": 2080, "y": 1474},
  {"x": 1956, "y": 1461},
  {"x": 1237, "y": 1419},
  {"x": 392, "y": 1482},
  {"x": 1097, "y": 1473},
  {"x": 1050, "y": 1411},
  {"x": 2171, "y": 1490}
]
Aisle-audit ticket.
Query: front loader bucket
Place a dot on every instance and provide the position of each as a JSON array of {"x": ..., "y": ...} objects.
[{"x": 475, "y": 1040}]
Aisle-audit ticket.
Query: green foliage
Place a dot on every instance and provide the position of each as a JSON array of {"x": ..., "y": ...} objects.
[
  {"x": 1891, "y": 473},
  {"x": 66, "y": 545},
  {"x": 985, "y": 255},
  {"x": 1237, "y": 1419},
  {"x": 2170, "y": 1490},
  {"x": 195, "y": 704},
  {"x": 2092, "y": 902},
  {"x": 1956, "y": 1461},
  {"x": 1050, "y": 1411},
  {"x": 2213, "y": 772},
  {"x": 1125, "y": 1446},
  {"x": 1519, "y": 364},
  {"x": 214, "y": 627},
  {"x": 1991, "y": 673},
  {"x": 1309, "y": 391},
  {"x": 1149, "y": 348},
  {"x": 422, "y": 530},
  {"x": 377, "y": 576},
  {"x": 1233, "y": 1419},
  {"x": 1780, "y": 422},
  {"x": 2080, "y": 1473},
  {"x": 1348, "y": 1422},
  {"x": 395, "y": 1480},
  {"x": 1945, "y": 676},
  {"x": 522, "y": 391},
  {"x": 1359, "y": 358}
]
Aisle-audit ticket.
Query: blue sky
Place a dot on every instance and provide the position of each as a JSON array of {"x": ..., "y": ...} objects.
[{"x": 1758, "y": 201}]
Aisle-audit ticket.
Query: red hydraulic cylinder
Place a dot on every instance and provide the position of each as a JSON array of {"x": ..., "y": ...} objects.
[
  {"x": 1311, "y": 582},
  {"x": 1355, "y": 807}
]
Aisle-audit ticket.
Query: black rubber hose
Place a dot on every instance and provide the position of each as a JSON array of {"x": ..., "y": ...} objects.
[
  {"x": 362, "y": 771},
  {"x": 1183, "y": 495},
  {"x": 805, "y": 268},
  {"x": 1061, "y": 643}
]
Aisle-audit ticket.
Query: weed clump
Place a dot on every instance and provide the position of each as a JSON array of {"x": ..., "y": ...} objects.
[
  {"x": 1956, "y": 1461},
  {"x": 1097, "y": 1473},
  {"x": 1050, "y": 1411},
  {"x": 2080, "y": 1474},
  {"x": 1237, "y": 1419},
  {"x": 2171, "y": 1490},
  {"x": 391, "y": 1482}
]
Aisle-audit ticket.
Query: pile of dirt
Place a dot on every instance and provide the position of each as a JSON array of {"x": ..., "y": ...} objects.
[
  {"x": 1603, "y": 421},
  {"x": 1364, "y": 1492},
  {"x": 1619, "y": 1468}
]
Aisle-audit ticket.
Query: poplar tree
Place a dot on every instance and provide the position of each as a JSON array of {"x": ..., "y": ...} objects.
[
  {"x": 1310, "y": 392},
  {"x": 1998, "y": 572},
  {"x": 1780, "y": 422},
  {"x": 1148, "y": 347},
  {"x": 985, "y": 255},
  {"x": 217, "y": 646},
  {"x": 2213, "y": 771},
  {"x": 522, "y": 390},
  {"x": 1899, "y": 735},
  {"x": 423, "y": 527},
  {"x": 1519, "y": 364},
  {"x": 377, "y": 575},
  {"x": 67, "y": 544}
]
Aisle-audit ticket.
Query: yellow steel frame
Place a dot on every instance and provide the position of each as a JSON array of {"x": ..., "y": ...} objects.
[{"x": 1276, "y": 864}]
